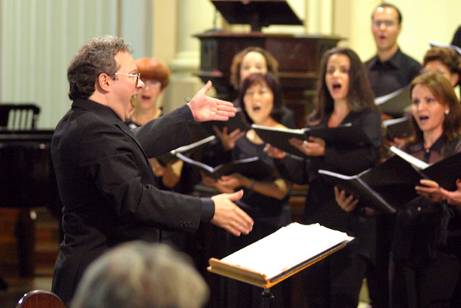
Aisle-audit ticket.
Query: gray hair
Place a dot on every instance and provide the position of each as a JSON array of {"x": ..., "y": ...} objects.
[
  {"x": 139, "y": 274},
  {"x": 94, "y": 58}
]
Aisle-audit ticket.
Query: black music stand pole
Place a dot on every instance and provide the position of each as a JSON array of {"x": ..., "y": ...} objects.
[{"x": 267, "y": 298}]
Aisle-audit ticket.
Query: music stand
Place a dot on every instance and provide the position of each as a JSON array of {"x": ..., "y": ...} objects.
[
  {"x": 325, "y": 246},
  {"x": 257, "y": 13},
  {"x": 267, "y": 298}
]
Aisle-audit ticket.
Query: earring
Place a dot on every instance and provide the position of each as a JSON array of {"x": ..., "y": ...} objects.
[{"x": 447, "y": 112}]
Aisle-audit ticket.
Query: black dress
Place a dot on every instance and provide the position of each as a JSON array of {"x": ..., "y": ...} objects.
[
  {"x": 424, "y": 268},
  {"x": 336, "y": 281}
]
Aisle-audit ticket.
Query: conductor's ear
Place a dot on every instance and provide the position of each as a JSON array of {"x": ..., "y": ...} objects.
[{"x": 104, "y": 82}]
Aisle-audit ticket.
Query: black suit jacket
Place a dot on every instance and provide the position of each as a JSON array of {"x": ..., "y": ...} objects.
[{"x": 107, "y": 186}]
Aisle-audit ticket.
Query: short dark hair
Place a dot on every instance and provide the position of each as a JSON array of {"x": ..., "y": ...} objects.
[
  {"x": 272, "y": 83},
  {"x": 95, "y": 57},
  {"x": 389, "y": 5},
  {"x": 360, "y": 96}
]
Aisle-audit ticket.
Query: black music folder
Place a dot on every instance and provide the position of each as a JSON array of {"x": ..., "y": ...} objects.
[
  {"x": 280, "y": 137},
  {"x": 394, "y": 103},
  {"x": 276, "y": 257},
  {"x": 189, "y": 149},
  {"x": 251, "y": 167},
  {"x": 398, "y": 128},
  {"x": 391, "y": 184},
  {"x": 236, "y": 122}
]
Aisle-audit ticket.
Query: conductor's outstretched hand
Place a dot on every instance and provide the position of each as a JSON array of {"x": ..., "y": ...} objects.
[
  {"x": 205, "y": 108},
  {"x": 229, "y": 216}
]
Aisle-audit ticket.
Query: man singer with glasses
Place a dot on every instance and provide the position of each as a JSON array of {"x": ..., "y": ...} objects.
[{"x": 390, "y": 69}]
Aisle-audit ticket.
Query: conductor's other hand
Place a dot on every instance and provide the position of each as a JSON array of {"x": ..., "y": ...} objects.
[
  {"x": 205, "y": 108},
  {"x": 229, "y": 216}
]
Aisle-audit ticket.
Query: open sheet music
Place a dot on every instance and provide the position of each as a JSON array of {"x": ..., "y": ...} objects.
[
  {"x": 236, "y": 122},
  {"x": 394, "y": 103},
  {"x": 194, "y": 147},
  {"x": 281, "y": 254},
  {"x": 391, "y": 184},
  {"x": 398, "y": 128},
  {"x": 280, "y": 137},
  {"x": 252, "y": 167}
]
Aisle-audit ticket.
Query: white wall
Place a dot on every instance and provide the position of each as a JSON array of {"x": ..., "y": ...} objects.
[{"x": 39, "y": 37}]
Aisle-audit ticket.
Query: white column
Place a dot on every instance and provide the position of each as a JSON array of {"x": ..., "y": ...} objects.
[
  {"x": 352, "y": 20},
  {"x": 319, "y": 17},
  {"x": 192, "y": 17}
]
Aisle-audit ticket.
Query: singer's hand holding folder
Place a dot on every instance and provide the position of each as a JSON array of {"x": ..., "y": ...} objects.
[
  {"x": 391, "y": 184},
  {"x": 280, "y": 137},
  {"x": 280, "y": 255}
]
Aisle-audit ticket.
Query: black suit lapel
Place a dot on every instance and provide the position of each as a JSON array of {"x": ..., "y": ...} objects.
[{"x": 128, "y": 132}]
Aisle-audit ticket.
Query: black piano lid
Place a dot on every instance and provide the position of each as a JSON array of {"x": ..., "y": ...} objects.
[
  {"x": 36, "y": 135},
  {"x": 26, "y": 179}
]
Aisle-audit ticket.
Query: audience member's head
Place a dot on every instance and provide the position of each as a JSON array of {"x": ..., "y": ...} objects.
[
  {"x": 435, "y": 107},
  {"x": 249, "y": 61},
  {"x": 443, "y": 60},
  {"x": 96, "y": 57},
  {"x": 386, "y": 21},
  {"x": 139, "y": 274},
  {"x": 342, "y": 77},
  {"x": 262, "y": 97}
]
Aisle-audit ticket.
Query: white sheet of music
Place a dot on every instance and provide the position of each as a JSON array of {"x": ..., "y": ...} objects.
[{"x": 286, "y": 248}]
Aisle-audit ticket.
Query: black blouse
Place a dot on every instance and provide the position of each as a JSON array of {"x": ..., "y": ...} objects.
[
  {"x": 422, "y": 226},
  {"x": 259, "y": 205},
  {"x": 321, "y": 206}
]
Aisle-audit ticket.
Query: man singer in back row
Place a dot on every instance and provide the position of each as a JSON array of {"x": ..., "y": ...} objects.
[{"x": 104, "y": 179}]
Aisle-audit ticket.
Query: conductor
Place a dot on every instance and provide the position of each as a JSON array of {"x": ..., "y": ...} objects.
[{"x": 104, "y": 179}]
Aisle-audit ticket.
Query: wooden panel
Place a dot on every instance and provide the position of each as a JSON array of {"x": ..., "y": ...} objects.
[{"x": 298, "y": 57}]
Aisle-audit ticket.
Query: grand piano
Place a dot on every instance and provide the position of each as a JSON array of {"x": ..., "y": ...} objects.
[
  {"x": 298, "y": 55},
  {"x": 24, "y": 161},
  {"x": 26, "y": 180}
]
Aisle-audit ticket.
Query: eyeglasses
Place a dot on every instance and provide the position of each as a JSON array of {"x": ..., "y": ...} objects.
[
  {"x": 386, "y": 23},
  {"x": 131, "y": 75}
]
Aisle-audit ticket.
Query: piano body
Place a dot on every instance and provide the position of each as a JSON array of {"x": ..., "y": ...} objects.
[{"x": 26, "y": 182}]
